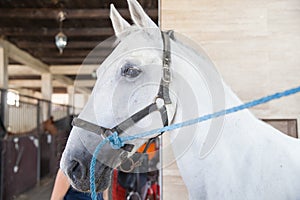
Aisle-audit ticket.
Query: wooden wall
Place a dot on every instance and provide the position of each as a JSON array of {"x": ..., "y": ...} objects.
[{"x": 255, "y": 45}]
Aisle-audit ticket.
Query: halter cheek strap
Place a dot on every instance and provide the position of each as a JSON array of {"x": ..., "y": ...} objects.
[{"x": 163, "y": 93}]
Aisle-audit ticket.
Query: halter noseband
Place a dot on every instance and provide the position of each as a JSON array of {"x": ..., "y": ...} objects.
[{"x": 163, "y": 93}]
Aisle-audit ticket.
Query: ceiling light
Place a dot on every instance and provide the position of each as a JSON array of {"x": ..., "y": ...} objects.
[{"x": 61, "y": 39}]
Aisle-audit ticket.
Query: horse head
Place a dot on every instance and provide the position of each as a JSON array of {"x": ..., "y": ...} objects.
[{"x": 128, "y": 81}]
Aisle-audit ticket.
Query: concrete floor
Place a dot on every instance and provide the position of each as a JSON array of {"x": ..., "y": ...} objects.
[{"x": 41, "y": 192}]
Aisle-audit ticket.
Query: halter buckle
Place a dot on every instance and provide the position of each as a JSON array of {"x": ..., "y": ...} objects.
[{"x": 166, "y": 74}]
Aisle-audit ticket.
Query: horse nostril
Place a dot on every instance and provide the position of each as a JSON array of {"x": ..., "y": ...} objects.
[{"x": 77, "y": 170}]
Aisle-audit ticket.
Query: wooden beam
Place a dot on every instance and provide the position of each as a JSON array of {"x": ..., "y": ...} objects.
[
  {"x": 71, "y": 44},
  {"x": 48, "y": 13},
  {"x": 84, "y": 83},
  {"x": 46, "y": 86},
  {"x": 46, "y": 89},
  {"x": 25, "y": 83},
  {"x": 97, "y": 52},
  {"x": 15, "y": 31},
  {"x": 57, "y": 61},
  {"x": 71, "y": 92},
  {"x": 83, "y": 90},
  {"x": 32, "y": 83},
  {"x": 69, "y": 82},
  {"x": 3, "y": 67},
  {"x": 73, "y": 69},
  {"x": 4, "y": 83},
  {"x": 66, "y": 81},
  {"x": 23, "y": 70},
  {"x": 25, "y": 58}
]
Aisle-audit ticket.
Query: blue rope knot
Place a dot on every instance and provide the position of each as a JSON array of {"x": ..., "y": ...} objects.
[{"x": 115, "y": 141}]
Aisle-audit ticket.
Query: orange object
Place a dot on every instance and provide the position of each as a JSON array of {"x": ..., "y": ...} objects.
[{"x": 151, "y": 150}]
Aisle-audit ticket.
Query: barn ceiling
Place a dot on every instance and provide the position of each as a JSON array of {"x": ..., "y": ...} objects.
[{"x": 31, "y": 25}]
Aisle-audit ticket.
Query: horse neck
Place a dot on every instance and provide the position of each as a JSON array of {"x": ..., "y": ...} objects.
[
  {"x": 196, "y": 74},
  {"x": 240, "y": 130},
  {"x": 227, "y": 125}
]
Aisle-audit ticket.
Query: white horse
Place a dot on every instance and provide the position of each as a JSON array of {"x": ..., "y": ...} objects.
[{"x": 251, "y": 160}]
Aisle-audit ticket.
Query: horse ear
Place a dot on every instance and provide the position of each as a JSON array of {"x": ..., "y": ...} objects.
[
  {"x": 119, "y": 24},
  {"x": 139, "y": 16}
]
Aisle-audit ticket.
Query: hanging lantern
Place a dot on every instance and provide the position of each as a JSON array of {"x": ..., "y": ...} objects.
[
  {"x": 61, "y": 41},
  {"x": 61, "y": 38}
]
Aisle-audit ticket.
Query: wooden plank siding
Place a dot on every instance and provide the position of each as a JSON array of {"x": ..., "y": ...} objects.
[{"x": 255, "y": 45}]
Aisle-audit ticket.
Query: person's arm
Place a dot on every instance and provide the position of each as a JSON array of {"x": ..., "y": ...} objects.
[
  {"x": 61, "y": 186},
  {"x": 105, "y": 194}
]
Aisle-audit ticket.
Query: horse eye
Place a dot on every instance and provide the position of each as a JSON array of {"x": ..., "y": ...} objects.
[{"x": 131, "y": 71}]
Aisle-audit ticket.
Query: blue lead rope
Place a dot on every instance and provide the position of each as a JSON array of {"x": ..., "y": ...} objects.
[{"x": 117, "y": 142}]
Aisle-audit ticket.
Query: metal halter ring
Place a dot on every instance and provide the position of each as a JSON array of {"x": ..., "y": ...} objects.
[{"x": 132, "y": 166}]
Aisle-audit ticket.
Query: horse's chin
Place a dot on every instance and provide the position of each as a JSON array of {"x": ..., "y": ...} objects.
[{"x": 102, "y": 181}]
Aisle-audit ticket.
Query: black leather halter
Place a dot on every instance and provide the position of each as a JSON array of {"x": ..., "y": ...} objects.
[{"x": 163, "y": 93}]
